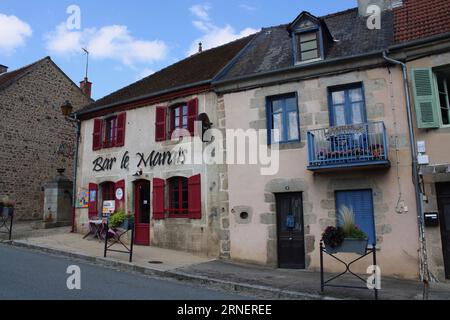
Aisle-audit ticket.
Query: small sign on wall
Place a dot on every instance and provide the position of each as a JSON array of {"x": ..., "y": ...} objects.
[
  {"x": 109, "y": 207},
  {"x": 119, "y": 194}
]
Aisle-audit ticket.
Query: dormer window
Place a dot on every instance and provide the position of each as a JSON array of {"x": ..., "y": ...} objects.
[
  {"x": 308, "y": 46},
  {"x": 310, "y": 37}
]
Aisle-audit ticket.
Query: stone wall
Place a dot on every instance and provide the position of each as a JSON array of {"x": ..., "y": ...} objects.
[{"x": 35, "y": 139}]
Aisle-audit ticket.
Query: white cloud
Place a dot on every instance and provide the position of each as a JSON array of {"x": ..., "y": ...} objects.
[
  {"x": 213, "y": 36},
  {"x": 13, "y": 33},
  {"x": 216, "y": 36},
  {"x": 110, "y": 42},
  {"x": 201, "y": 11}
]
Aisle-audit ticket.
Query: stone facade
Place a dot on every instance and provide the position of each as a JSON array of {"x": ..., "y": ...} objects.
[
  {"x": 439, "y": 156},
  {"x": 208, "y": 236},
  {"x": 36, "y": 140},
  {"x": 255, "y": 239}
]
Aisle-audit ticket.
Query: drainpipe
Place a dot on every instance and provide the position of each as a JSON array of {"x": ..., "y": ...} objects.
[
  {"x": 75, "y": 169},
  {"x": 425, "y": 276}
]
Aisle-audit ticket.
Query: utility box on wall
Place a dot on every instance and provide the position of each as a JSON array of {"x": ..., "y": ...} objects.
[
  {"x": 431, "y": 219},
  {"x": 58, "y": 202}
]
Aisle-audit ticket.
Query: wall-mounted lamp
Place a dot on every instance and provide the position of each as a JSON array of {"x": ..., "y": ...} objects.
[
  {"x": 139, "y": 173},
  {"x": 67, "y": 109}
]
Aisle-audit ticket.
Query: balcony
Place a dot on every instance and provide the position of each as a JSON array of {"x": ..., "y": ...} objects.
[{"x": 353, "y": 146}]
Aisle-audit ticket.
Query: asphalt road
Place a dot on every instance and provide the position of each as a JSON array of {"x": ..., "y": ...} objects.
[{"x": 28, "y": 275}]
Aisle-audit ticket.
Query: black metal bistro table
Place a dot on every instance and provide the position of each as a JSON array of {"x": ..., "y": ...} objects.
[{"x": 328, "y": 282}]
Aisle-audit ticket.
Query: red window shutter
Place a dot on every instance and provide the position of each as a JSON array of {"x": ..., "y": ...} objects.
[
  {"x": 158, "y": 198},
  {"x": 195, "y": 197},
  {"x": 120, "y": 203},
  {"x": 93, "y": 201},
  {"x": 192, "y": 115},
  {"x": 97, "y": 136},
  {"x": 161, "y": 124},
  {"x": 121, "y": 124}
]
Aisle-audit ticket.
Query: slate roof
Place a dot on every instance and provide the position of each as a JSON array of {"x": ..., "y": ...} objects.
[
  {"x": 272, "y": 48},
  {"x": 194, "y": 69},
  {"x": 418, "y": 19}
]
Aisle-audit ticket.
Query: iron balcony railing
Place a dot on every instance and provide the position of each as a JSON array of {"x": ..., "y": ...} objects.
[{"x": 348, "y": 146}]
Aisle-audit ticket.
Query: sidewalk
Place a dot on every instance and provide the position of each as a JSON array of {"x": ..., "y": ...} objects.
[{"x": 253, "y": 280}]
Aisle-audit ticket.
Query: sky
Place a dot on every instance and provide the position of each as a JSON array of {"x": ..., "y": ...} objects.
[{"x": 129, "y": 40}]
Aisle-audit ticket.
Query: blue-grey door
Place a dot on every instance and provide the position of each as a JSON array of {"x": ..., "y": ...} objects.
[{"x": 361, "y": 201}]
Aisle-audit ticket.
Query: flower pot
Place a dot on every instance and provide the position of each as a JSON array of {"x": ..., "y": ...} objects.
[
  {"x": 6, "y": 211},
  {"x": 357, "y": 246}
]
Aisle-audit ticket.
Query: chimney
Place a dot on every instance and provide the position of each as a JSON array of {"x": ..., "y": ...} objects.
[
  {"x": 86, "y": 87},
  {"x": 3, "y": 69},
  {"x": 383, "y": 4},
  {"x": 200, "y": 47}
]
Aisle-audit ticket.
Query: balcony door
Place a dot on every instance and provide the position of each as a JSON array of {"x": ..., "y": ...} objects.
[{"x": 347, "y": 105}]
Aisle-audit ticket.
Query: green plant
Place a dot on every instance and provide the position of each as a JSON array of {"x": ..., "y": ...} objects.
[
  {"x": 118, "y": 218},
  {"x": 346, "y": 221}
]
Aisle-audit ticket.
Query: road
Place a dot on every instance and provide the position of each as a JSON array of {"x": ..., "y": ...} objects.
[{"x": 28, "y": 275}]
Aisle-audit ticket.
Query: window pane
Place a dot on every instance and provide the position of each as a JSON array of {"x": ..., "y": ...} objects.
[
  {"x": 291, "y": 104},
  {"x": 177, "y": 112},
  {"x": 356, "y": 95},
  {"x": 277, "y": 125},
  {"x": 310, "y": 45},
  {"x": 338, "y": 97},
  {"x": 277, "y": 106},
  {"x": 185, "y": 110},
  {"x": 339, "y": 116},
  {"x": 293, "y": 126},
  {"x": 357, "y": 113},
  {"x": 185, "y": 122},
  {"x": 310, "y": 55},
  {"x": 309, "y": 36}
]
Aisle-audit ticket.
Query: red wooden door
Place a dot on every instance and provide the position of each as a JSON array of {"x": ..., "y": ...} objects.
[{"x": 142, "y": 212}]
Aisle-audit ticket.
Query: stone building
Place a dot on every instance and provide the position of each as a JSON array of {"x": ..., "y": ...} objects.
[
  {"x": 328, "y": 85},
  {"x": 328, "y": 96},
  {"x": 128, "y": 156},
  {"x": 426, "y": 53},
  {"x": 35, "y": 139}
]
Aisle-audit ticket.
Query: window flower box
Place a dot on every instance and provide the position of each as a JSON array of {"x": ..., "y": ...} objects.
[{"x": 349, "y": 245}]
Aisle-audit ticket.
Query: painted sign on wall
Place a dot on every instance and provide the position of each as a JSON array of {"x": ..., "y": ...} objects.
[
  {"x": 151, "y": 160},
  {"x": 83, "y": 198}
]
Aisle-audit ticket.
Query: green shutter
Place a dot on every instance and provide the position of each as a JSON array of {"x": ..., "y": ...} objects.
[{"x": 427, "y": 107}]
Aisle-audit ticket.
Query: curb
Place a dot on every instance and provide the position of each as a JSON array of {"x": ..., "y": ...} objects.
[{"x": 229, "y": 286}]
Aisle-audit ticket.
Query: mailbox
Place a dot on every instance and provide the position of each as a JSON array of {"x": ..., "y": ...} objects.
[{"x": 432, "y": 219}]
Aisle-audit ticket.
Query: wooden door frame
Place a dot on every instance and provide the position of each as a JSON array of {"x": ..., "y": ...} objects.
[
  {"x": 137, "y": 197},
  {"x": 278, "y": 219}
]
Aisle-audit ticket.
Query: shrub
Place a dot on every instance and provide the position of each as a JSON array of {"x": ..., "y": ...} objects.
[{"x": 118, "y": 218}]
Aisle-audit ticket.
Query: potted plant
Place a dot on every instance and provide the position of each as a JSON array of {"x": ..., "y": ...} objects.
[
  {"x": 347, "y": 237},
  {"x": 6, "y": 207},
  {"x": 120, "y": 219}
]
